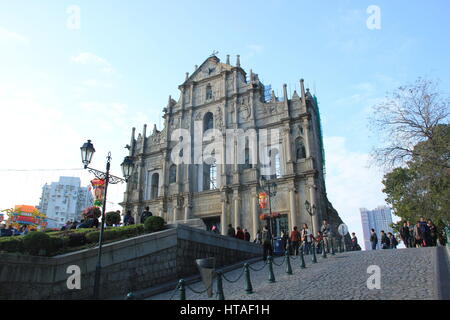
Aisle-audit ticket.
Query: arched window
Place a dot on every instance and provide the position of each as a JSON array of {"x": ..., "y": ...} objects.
[
  {"x": 208, "y": 121},
  {"x": 209, "y": 93},
  {"x": 155, "y": 186},
  {"x": 300, "y": 149},
  {"x": 173, "y": 174}
]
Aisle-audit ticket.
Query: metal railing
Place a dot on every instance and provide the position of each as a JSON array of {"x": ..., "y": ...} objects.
[{"x": 246, "y": 271}]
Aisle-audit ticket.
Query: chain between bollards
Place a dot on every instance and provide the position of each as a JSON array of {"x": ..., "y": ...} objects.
[
  {"x": 288, "y": 263},
  {"x": 271, "y": 275},
  {"x": 249, "y": 289}
]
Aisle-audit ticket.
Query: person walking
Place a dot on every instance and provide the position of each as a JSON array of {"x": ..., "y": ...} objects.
[
  {"x": 433, "y": 233},
  {"x": 295, "y": 241},
  {"x": 231, "y": 232},
  {"x": 258, "y": 238},
  {"x": 373, "y": 239},
  {"x": 425, "y": 232},
  {"x": 412, "y": 241},
  {"x": 215, "y": 230},
  {"x": 326, "y": 234},
  {"x": 355, "y": 245},
  {"x": 266, "y": 238},
  {"x": 285, "y": 240},
  {"x": 404, "y": 234},
  {"x": 240, "y": 234},
  {"x": 392, "y": 241},
  {"x": 318, "y": 241},
  {"x": 145, "y": 214},
  {"x": 246, "y": 235},
  {"x": 418, "y": 236},
  {"x": 128, "y": 220},
  {"x": 385, "y": 243},
  {"x": 306, "y": 239}
]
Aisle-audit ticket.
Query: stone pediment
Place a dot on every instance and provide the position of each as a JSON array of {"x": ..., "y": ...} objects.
[{"x": 210, "y": 68}]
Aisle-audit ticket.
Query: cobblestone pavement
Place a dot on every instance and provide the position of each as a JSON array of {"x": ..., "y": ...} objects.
[{"x": 405, "y": 274}]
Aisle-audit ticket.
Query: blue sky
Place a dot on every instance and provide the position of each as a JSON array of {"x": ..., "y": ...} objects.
[{"x": 60, "y": 86}]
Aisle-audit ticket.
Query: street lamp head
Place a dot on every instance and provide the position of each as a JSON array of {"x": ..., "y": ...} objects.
[
  {"x": 307, "y": 206},
  {"x": 87, "y": 151},
  {"x": 127, "y": 167}
]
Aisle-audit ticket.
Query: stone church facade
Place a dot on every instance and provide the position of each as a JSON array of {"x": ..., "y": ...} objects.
[{"x": 222, "y": 190}]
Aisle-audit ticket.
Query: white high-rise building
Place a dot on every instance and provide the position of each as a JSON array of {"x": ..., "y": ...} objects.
[
  {"x": 64, "y": 200},
  {"x": 378, "y": 219}
]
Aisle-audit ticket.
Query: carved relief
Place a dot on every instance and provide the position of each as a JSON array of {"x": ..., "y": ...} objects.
[
  {"x": 219, "y": 118},
  {"x": 198, "y": 116}
]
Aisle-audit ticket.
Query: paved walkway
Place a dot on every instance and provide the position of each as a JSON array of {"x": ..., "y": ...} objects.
[{"x": 405, "y": 274}]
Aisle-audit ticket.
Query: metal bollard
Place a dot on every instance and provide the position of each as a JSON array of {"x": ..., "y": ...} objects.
[
  {"x": 248, "y": 282},
  {"x": 288, "y": 263},
  {"x": 302, "y": 257},
  {"x": 182, "y": 288},
  {"x": 271, "y": 275},
  {"x": 314, "y": 258},
  {"x": 324, "y": 250},
  {"x": 220, "y": 295}
]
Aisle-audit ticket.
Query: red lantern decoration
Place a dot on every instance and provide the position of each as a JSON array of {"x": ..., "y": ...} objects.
[{"x": 262, "y": 200}]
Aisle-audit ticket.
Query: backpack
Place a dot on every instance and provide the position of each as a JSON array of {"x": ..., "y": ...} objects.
[{"x": 394, "y": 241}]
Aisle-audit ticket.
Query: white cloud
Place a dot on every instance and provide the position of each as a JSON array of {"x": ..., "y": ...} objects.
[
  {"x": 88, "y": 58},
  {"x": 12, "y": 36},
  {"x": 351, "y": 184}
]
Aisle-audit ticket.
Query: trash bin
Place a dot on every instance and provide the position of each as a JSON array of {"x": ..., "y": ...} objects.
[
  {"x": 278, "y": 249},
  {"x": 207, "y": 269}
]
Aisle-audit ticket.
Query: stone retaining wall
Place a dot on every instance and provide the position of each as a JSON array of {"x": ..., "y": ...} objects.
[{"x": 127, "y": 265}]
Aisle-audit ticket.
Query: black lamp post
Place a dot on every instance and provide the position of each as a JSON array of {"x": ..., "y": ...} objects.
[
  {"x": 311, "y": 213},
  {"x": 270, "y": 188},
  {"x": 87, "y": 151}
]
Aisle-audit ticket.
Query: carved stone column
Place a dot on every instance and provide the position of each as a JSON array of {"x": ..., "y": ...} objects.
[
  {"x": 255, "y": 217},
  {"x": 237, "y": 216},
  {"x": 293, "y": 208},
  {"x": 313, "y": 199},
  {"x": 306, "y": 127}
]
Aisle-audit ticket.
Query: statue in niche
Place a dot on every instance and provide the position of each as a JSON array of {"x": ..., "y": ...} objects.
[
  {"x": 245, "y": 111},
  {"x": 219, "y": 118}
]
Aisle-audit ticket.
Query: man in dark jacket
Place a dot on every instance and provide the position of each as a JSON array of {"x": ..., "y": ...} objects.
[
  {"x": 231, "y": 232},
  {"x": 267, "y": 243},
  {"x": 373, "y": 239},
  {"x": 425, "y": 232},
  {"x": 385, "y": 242},
  {"x": 404, "y": 234},
  {"x": 247, "y": 235},
  {"x": 145, "y": 214}
]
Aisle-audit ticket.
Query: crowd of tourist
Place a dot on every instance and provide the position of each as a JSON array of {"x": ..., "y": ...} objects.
[
  {"x": 10, "y": 231},
  {"x": 422, "y": 234}
]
